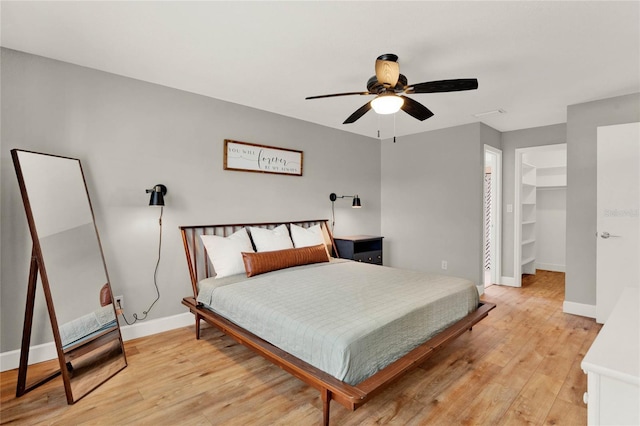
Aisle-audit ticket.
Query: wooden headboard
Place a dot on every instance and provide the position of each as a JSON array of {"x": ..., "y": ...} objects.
[{"x": 199, "y": 264}]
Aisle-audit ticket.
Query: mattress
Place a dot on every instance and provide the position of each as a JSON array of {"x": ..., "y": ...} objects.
[{"x": 349, "y": 319}]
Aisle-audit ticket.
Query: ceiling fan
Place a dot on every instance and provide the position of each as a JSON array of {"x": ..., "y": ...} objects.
[{"x": 389, "y": 86}]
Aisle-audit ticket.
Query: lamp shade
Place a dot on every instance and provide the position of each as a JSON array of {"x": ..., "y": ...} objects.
[
  {"x": 387, "y": 104},
  {"x": 356, "y": 202},
  {"x": 157, "y": 195}
]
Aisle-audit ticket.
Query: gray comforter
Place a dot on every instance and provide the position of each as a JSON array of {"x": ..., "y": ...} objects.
[{"x": 346, "y": 318}]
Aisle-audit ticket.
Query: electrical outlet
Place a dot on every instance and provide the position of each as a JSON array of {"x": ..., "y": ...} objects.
[
  {"x": 444, "y": 264},
  {"x": 119, "y": 302}
]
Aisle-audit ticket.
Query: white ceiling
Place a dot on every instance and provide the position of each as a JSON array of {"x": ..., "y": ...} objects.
[{"x": 531, "y": 58}]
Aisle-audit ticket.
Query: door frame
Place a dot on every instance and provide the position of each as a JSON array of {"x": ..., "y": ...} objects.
[
  {"x": 497, "y": 273},
  {"x": 517, "y": 210}
]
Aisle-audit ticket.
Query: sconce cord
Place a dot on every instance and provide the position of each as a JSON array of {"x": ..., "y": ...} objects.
[
  {"x": 333, "y": 215},
  {"x": 155, "y": 279}
]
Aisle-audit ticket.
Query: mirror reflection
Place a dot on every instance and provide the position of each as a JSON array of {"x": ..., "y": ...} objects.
[{"x": 72, "y": 270}]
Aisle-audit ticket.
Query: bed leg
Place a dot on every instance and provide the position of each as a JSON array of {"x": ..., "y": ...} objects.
[
  {"x": 197, "y": 326},
  {"x": 326, "y": 403}
]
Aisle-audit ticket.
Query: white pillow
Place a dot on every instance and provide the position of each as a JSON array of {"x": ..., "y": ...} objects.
[
  {"x": 306, "y": 237},
  {"x": 225, "y": 253},
  {"x": 271, "y": 239}
]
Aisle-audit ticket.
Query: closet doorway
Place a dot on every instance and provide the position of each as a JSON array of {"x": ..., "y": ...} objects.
[
  {"x": 540, "y": 210},
  {"x": 492, "y": 220}
]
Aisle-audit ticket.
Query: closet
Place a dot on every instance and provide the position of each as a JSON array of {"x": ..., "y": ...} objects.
[{"x": 542, "y": 208}]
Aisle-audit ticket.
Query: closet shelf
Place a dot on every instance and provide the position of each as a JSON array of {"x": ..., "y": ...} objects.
[
  {"x": 551, "y": 169},
  {"x": 528, "y": 260},
  {"x": 527, "y": 203},
  {"x": 544, "y": 187}
]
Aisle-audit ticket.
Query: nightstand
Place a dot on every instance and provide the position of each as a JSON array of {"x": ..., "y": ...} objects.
[{"x": 363, "y": 248}]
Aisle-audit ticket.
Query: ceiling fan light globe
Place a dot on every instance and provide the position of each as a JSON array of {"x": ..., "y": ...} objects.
[{"x": 389, "y": 104}]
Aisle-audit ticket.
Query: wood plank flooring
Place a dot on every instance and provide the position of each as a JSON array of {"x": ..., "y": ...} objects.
[{"x": 521, "y": 365}]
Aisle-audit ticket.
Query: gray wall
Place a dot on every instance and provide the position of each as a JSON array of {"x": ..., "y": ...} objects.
[
  {"x": 131, "y": 135},
  {"x": 525, "y": 138},
  {"x": 432, "y": 199},
  {"x": 551, "y": 229},
  {"x": 582, "y": 123}
]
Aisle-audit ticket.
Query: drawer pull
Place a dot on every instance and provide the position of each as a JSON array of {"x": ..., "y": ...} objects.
[{"x": 585, "y": 397}]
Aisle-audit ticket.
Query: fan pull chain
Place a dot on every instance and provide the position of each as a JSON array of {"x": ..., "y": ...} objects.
[{"x": 394, "y": 128}]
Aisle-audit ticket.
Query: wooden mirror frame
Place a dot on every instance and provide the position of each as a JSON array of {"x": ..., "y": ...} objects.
[{"x": 86, "y": 364}]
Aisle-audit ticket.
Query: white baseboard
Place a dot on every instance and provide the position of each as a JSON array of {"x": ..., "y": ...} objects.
[
  {"x": 47, "y": 351},
  {"x": 39, "y": 353},
  {"x": 551, "y": 267},
  {"x": 581, "y": 309},
  {"x": 142, "y": 329},
  {"x": 510, "y": 281}
]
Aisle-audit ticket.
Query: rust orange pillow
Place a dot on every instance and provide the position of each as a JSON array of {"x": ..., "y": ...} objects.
[{"x": 266, "y": 261}]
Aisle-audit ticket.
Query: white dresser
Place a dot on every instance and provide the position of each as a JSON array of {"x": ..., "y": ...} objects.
[{"x": 612, "y": 365}]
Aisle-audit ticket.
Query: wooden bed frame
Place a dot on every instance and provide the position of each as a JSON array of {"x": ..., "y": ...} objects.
[{"x": 350, "y": 396}]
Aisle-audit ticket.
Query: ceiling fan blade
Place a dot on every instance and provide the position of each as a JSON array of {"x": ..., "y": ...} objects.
[
  {"x": 415, "y": 109},
  {"x": 387, "y": 72},
  {"x": 444, "y": 86},
  {"x": 359, "y": 113},
  {"x": 339, "y": 94}
]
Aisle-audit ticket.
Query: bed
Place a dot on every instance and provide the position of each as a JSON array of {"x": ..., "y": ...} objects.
[{"x": 345, "y": 328}]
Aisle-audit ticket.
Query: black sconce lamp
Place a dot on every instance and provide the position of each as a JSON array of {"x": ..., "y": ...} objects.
[
  {"x": 356, "y": 200},
  {"x": 333, "y": 197},
  {"x": 157, "y": 195},
  {"x": 157, "y": 199}
]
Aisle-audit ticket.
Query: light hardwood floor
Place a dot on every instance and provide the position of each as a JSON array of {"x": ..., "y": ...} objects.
[{"x": 520, "y": 365}]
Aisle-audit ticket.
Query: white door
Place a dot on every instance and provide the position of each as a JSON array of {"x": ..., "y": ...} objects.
[{"x": 618, "y": 203}]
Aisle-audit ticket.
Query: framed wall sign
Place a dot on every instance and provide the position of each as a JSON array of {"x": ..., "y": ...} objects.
[{"x": 249, "y": 157}]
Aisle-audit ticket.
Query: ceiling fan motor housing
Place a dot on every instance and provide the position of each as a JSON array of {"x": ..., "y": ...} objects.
[{"x": 374, "y": 86}]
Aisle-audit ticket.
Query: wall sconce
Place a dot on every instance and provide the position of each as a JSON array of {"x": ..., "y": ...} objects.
[
  {"x": 157, "y": 195},
  {"x": 157, "y": 199},
  {"x": 333, "y": 197},
  {"x": 356, "y": 200}
]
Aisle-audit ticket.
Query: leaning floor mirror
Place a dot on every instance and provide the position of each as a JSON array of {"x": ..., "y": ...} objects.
[{"x": 68, "y": 258}]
